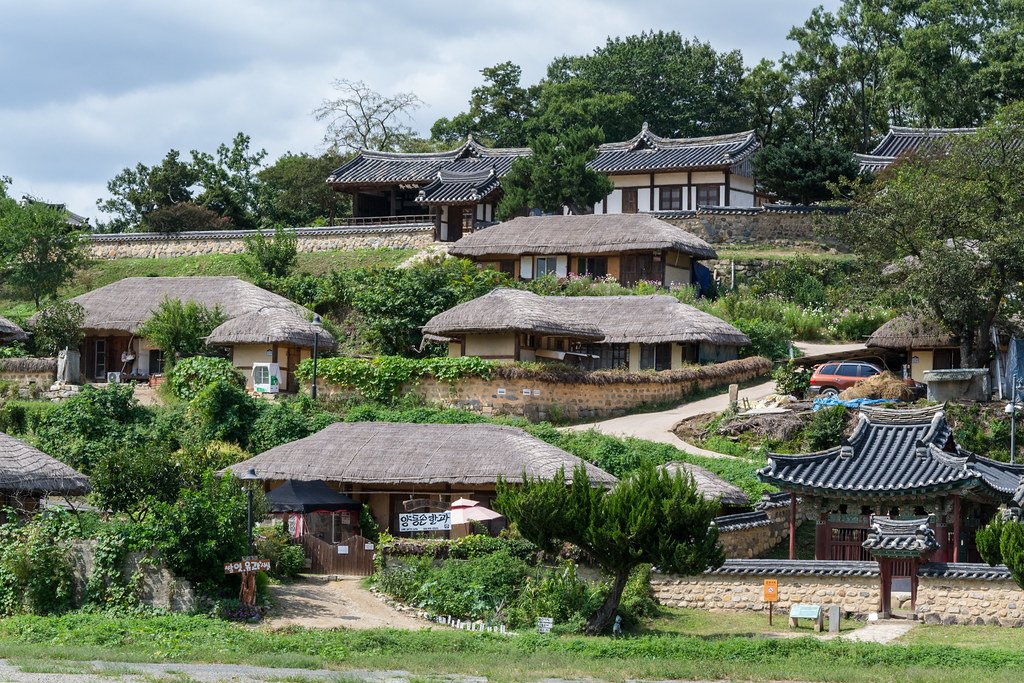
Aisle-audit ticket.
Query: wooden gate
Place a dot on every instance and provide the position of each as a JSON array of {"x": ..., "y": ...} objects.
[{"x": 351, "y": 557}]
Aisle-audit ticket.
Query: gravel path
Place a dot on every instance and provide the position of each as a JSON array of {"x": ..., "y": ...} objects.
[
  {"x": 881, "y": 631},
  {"x": 334, "y": 604}
]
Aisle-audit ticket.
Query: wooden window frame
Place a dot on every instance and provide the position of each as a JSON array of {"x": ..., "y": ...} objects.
[
  {"x": 536, "y": 266},
  {"x": 584, "y": 264},
  {"x": 674, "y": 189},
  {"x": 706, "y": 187}
]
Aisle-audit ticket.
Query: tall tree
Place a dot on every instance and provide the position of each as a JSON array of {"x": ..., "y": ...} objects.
[
  {"x": 362, "y": 118},
  {"x": 230, "y": 182},
  {"x": 800, "y": 171},
  {"x": 649, "y": 517},
  {"x": 138, "y": 190},
  {"x": 948, "y": 227},
  {"x": 293, "y": 190},
  {"x": 498, "y": 110},
  {"x": 180, "y": 329},
  {"x": 38, "y": 252},
  {"x": 555, "y": 175},
  {"x": 768, "y": 92}
]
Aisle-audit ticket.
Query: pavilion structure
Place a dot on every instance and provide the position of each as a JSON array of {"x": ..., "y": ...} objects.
[
  {"x": 896, "y": 542},
  {"x": 902, "y": 465}
]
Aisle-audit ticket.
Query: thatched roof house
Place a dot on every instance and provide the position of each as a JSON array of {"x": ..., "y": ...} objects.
[
  {"x": 629, "y": 247},
  {"x": 926, "y": 344},
  {"x": 9, "y": 332},
  {"x": 383, "y": 464},
  {"x": 261, "y": 327},
  {"x": 639, "y": 332},
  {"x": 711, "y": 486},
  {"x": 27, "y": 474}
]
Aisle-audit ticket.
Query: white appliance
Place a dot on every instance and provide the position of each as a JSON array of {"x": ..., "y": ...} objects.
[
  {"x": 266, "y": 378},
  {"x": 113, "y": 378}
]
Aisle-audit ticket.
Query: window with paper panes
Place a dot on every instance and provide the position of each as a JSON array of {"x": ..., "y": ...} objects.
[
  {"x": 606, "y": 356},
  {"x": 708, "y": 195},
  {"x": 671, "y": 198}
]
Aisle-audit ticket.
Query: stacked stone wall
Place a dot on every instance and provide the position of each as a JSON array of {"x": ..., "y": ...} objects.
[
  {"x": 779, "y": 226},
  {"x": 29, "y": 374},
  {"x": 155, "y": 245},
  {"x": 754, "y": 541}
]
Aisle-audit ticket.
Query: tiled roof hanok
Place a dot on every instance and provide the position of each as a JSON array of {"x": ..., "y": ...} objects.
[
  {"x": 369, "y": 167},
  {"x": 647, "y": 152},
  {"x": 742, "y": 520},
  {"x": 892, "y": 453},
  {"x": 900, "y": 537},
  {"x": 453, "y": 187},
  {"x": 936, "y": 570},
  {"x": 902, "y": 140}
]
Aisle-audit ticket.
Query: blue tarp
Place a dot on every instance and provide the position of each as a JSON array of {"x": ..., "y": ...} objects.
[{"x": 829, "y": 401}]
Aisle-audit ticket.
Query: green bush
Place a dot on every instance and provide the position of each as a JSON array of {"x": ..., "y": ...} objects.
[
  {"x": 638, "y": 603},
  {"x": 23, "y": 417},
  {"x": 559, "y": 594},
  {"x": 180, "y": 329},
  {"x": 191, "y": 375},
  {"x": 287, "y": 559},
  {"x": 767, "y": 338},
  {"x": 988, "y": 538},
  {"x": 36, "y": 573},
  {"x": 58, "y": 327},
  {"x": 478, "y": 545},
  {"x": 222, "y": 412},
  {"x": 472, "y": 589},
  {"x": 286, "y": 421},
  {"x": 792, "y": 379},
  {"x": 1011, "y": 547},
  {"x": 274, "y": 257},
  {"x": 826, "y": 428},
  {"x": 130, "y": 480},
  {"x": 402, "y": 580},
  {"x": 381, "y": 378}
]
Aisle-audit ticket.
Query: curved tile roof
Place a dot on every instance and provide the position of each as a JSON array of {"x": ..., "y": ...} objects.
[
  {"x": 900, "y": 537},
  {"x": 902, "y": 140},
  {"x": 454, "y": 187},
  {"x": 648, "y": 152}
]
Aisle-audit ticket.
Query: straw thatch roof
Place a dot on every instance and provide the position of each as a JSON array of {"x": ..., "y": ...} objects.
[
  {"x": 386, "y": 453},
  {"x": 589, "y": 234},
  {"x": 619, "y": 319},
  {"x": 123, "y": 306},
  {"x": 911, "y": 331},
  {"x": 9, "y": 332},
  {"x": 711, "y": 486},
  {"x": 24, "y": 469},
  {"x": 511, "y": 310},
  {"x": 270, "y": 326}
]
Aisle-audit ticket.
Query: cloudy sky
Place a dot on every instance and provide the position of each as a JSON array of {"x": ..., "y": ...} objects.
[{"x": 88, "y": 87}]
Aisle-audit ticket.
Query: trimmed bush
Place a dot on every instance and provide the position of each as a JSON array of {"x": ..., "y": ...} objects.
[{"x": 191, "y": 375}]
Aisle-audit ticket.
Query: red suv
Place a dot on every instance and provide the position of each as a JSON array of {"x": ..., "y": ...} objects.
[{"x": 828, "y": 379}]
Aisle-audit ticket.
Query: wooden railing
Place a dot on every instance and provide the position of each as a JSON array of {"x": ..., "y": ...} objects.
[
  {"x": 326, "y": 558},
  {"x": 383, "y": 220}
]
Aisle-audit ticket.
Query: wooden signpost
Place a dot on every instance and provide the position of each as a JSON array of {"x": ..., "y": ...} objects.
[
  {"x": 771, "y": 596},
  {"x": 247, "y": 567}
]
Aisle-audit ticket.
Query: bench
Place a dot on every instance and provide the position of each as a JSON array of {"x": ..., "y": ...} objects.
[{"x": 814, "y": 612}]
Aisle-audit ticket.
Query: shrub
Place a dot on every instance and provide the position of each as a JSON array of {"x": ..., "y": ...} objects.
[
  {"x": 275, "y": 257},
  {"x": 988, "y": 538},
  {"x": 1011, "y": 547},
  {"x": 195, "y": 460},
  {"x": 58, "y": 327},
  {"x": 222, "y": 412},
  {"x": 184, "y": 217},
  {"x": 560, "y": 594},
  {"x": 36, "y": 574},
  {"x": 282, "y": 422},
  {"x": 180, "y": 329},
  {"x": 381, "y": 378},
  {"x": 474, "y": 588},
  {"x": 402, "y": 580},
  {"x": 287, "y": 560},
  {"x": 791, "y": 379},
  {"x": 767, "y": 338},
  {"x": 191, "y": 375},
  {"x": 22, "y": 417},
  {"x": 129, "y": 480},
  {"x": 478, "y": 545},
  {"x": 638, "y": 603},
  {"x": 826, "y": 428}
]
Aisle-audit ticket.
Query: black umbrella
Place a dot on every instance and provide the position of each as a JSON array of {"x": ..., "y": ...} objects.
[{"x": 309, "y": 496}]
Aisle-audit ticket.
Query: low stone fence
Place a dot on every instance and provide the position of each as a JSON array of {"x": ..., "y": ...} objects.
[
  {"x": 30, "y": 374},
  {"x": 749, "y": 534},
  {"x": 159, "y": 587},
  {"x": 776, "y": 224},
  {"x": 157, "y": 245},
  {"x": 947, "y": 593},
  {"x": 540, "y": 396}
]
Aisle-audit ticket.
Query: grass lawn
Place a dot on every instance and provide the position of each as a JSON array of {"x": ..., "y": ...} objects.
[
  {"x": 741, "y": 253},
  {"x": 707, "y": 624},
  {"x": 966, "y": 636},
  {"x": 676, "y": 645}
]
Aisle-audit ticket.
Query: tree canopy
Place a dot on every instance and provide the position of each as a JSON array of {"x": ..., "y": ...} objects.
[
  {"x": 800, "y": 171},
  {"x": 39, "y": 252}
]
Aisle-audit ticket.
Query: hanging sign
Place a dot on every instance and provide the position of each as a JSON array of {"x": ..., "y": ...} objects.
[
  {"x": 425, "y": 521},
  {"x": 245, "y": 566}
]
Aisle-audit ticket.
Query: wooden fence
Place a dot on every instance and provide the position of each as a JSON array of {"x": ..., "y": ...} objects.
[{"x": 351, "y": 557}]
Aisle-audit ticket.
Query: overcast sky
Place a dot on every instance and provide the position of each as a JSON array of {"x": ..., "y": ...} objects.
[{"x": 89, "y": 87}]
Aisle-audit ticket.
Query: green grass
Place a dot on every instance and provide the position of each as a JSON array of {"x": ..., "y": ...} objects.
[
  {"x": 705, "y": 647},
  {"x": 966, "y": 636},
  {"x": 765, "y": 253},
  {"x": 707, "y": 624}
]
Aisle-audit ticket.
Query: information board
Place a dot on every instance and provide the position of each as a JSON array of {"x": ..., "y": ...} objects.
[
  {"x": 771, "y": 590},
  {"x": 425, "y": 521}
]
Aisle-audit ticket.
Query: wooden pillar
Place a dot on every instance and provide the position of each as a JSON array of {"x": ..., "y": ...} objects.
[
  {"x": 792, "y": 526},
  {"x": 913, "y": 583},
  {"x": 394, "y": 201},
  {"x": 885, "y": 599},
  {"x": 728, "y": 188},
  {"x": 355, "y": 204},
  {"x": 821, "y": 537},
  {"x": 956, "y": 527}
]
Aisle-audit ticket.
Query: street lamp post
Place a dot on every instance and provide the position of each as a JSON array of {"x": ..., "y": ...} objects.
[
  {"x": 249, "y": 476},
  {"x": 1011, "y": 408},
  {"x": 317, "y": 324}
]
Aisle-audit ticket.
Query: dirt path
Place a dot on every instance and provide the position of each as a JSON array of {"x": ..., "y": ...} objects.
[{"x": 334, "y": 604}]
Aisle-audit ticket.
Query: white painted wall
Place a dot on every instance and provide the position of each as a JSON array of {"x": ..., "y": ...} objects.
[
  {"x": 615, "y": 202},
  {"x": 562, "y": 265}
]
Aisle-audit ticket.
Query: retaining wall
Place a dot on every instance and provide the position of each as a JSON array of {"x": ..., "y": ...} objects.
[
  {"x": 770, "y": 224},
  {"x": 156, "y": 245},
  {"x": 947, "y": 593},
  {"x": 750, "y": 534},
  {"x": 159, "y": 587},
  {"x": 29, "y": 373}
]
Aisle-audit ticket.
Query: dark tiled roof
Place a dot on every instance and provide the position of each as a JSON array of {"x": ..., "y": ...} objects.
[
  {"x": 900, "y": 537},
  {"x": 773, "y": 500},
  {"x": 964, "y": 570},
  {"x": 742, "y": 520},
  {"x": 892, "y": 452},
  {"x": 902, "y": 140},
  {"x": 649, "y": 152},
  {"x": 797, "y": 568},
  {"x": 421, "y": 168},
  {"x": 452, "y": 187}
]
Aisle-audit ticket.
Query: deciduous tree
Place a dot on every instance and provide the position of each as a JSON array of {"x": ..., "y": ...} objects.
[
  {"x": 180, "y": 329},
  {"x": 38, "y": 251},
  {"x": 362, "y": 118}
]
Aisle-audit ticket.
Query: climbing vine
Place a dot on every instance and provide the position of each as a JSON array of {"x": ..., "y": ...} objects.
[
  {"x": 108, "y": 586},
  {"x": 36, "y": 570},
  {"x": 382, "y": 378}
]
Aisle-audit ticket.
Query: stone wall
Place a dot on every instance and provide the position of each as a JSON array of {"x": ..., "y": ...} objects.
[
  {"x": 30, "y": 374},
  {"x": 156, "y": 245},
  {"x": 159, "y": 587},
  {"x": 610, "y": 394},
  {"x": 949, "y": 594},
  {"x": 742, "y": 539},
  {"x": 770, "y": 224}
]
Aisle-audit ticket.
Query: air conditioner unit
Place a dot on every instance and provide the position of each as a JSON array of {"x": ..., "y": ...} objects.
[
  {"x": 266, "y": 378},
  {"x": 113, "y": 378}
]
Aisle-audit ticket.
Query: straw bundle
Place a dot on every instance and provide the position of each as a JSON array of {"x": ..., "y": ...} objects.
[{"x": 884, "y": 385}]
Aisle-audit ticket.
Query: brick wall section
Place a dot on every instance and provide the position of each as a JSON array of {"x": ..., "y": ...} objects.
[
  {"x": 155, "y": 245},
  {"x": 939, "y": 600},
  {"x": 551, "y": 399}
]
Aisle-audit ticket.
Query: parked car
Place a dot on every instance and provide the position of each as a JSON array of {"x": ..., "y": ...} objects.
[{"x": 828, "y": 379}]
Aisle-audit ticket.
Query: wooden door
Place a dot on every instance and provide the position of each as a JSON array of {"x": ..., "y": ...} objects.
[
  {"x": 634, "y": 267},
  {"x": 629, "y": 200}
]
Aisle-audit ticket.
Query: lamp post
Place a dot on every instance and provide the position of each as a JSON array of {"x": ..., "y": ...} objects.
[
  {"x": 1011, "y": 408},
  {"x": 249, "y": 476},
  {"x": 317, "y": 324}
]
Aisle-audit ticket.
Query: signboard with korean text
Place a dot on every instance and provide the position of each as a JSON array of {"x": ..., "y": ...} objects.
[
  {"x": 771, "y": 590},
  {"x": 544, "y": 624},
  {"x": 245, "y": 566},
  {"x": 425, "y": 521}
]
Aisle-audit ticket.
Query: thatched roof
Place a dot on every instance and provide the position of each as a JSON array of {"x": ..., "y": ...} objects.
[
  {"x": 386, "y": 453},
  {"x": 590, "y": 234},
  {"x": 911, "y": 331},
  {"x": 123, "y": 306},
  {"x": 711, "y": 486},
  {"x": 24, "y": 469},
  {"x": 270, "y": 326},
  {"x": 9, "y": 332},
  {"x": 619, "y": 319},
  {"x": 512, "y": 310}
]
